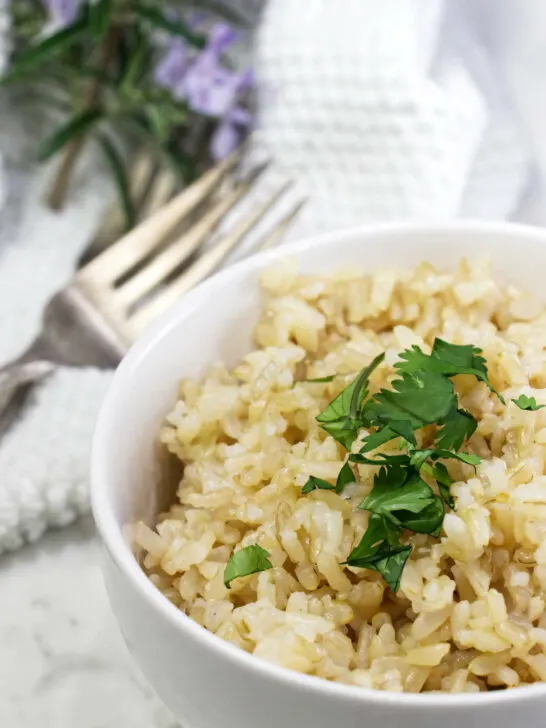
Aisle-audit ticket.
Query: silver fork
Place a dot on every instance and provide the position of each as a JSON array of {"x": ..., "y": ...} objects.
[
  {"x": 109, "y": 302},
  {"x": 151, "y": 185}
]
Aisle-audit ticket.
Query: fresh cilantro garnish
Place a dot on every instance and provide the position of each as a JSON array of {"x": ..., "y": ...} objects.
[
  {"x": 411, "y": 504},
  {"x": 378, "y": 438},
  {"x": 383, "y": 459},
  {"x": 447, "y": 359},
  {"x": 417, "y": 399},
  {"x": 387, "y": 560},
  {"x": 527, "y": 403},
  {"x": 413, "y": 496},
  {"x": 345, "y": 477},
  {"x": 246, "y": 561},
  {"x": 420, "y": 399},
  {"x": 456, "y": 427},
  {"x": 314, "y": 483},
  {"x": 341, "y": 418},
  {"x": 400, "y": 499},
  {"x": 418, "y": 457},
  {"x": 376, "y": 551},
  {"x": 444, "y": 482}
]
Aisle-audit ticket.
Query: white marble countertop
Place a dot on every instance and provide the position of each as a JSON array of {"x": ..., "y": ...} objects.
[{"x": 63, "y": 663}]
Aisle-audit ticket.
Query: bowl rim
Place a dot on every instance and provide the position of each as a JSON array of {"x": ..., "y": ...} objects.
[{"x": 112, "y": 533}]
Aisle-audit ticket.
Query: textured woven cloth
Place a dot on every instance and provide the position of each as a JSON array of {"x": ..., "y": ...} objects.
[{"x": 379, "y": 110}]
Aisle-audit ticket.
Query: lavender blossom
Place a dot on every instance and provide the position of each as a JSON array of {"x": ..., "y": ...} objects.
[
  {"x": 208, "y": 87},
  {"x": 234, "y": 123},
  {"x": 171, "y": 71},
  {"x": 220, "y": 38},
  {"x": 61, "y": 12}
]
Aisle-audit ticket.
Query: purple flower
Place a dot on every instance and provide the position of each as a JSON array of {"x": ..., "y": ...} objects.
[
  {"x": 229, "y": 132},
  {"x": 61, "y": 12},
  {"x": 209, "y": 87},
  {"x": 172, "y": 69},
  {"x": 221, "y": 36},
  {"x": 235, "y": 121}
]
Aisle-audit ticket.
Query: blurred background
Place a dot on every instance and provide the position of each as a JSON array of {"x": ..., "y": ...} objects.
[{"x": 374, "y": 110}]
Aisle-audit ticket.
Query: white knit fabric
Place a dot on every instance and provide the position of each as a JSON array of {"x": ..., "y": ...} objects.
[
  {"x": 379, "y": 109},
  {"x": 44, "y": 458},
  {"x": 362, "y": 108}
]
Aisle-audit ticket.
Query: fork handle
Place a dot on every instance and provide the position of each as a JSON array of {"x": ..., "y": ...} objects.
[{"x": 14, "y": 378}]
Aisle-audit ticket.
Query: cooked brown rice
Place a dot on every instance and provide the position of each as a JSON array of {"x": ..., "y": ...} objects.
[{"x": 470, "y": 613}]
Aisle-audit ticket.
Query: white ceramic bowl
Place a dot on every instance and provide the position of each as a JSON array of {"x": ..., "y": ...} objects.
[{"x": 207, "y": 682}]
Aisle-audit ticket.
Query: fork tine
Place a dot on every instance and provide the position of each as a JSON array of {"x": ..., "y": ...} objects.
[
  {"x": 162, "y": 190},
  {"x": 278, "y": 232},
  {"x": 179, "y": 251},
  {"x": 113, "y": 224},
  {"x": 113, "y": 262},
  {"x": 207, "y": 263}
]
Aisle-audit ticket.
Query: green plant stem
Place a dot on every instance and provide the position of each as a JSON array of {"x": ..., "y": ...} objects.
[{"x": 57, "y": 196}]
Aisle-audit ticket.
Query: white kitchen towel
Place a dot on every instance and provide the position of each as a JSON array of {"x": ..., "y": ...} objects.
[
  {"x": 44, "y": 458},
  {"x": 387, "y": 111},
  {"x": 379, "y": 109}
]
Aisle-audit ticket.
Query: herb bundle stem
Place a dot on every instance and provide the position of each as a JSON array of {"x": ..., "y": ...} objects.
[{"x": 73, "y": 150}]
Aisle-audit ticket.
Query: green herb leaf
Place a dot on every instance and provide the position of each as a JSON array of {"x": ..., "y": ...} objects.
[
  {"x": 345, "y": 477},
  {"x": 421, "y": 398},
  {"x": 380, "y": 459},
  {"x": 447, "y": 359},
  {"x": 316, "y": 484},
  {"x": 376, "y": 439},
  {"x": 460, "y": 357},
  {"x": 341, "y": 418},
  {"x": 370, "y": 542},
  {"x": 413, "y": 496},
  {"x": 120, "y": 176},
  {"x": 394, "y": 475},
  {"x": 320, "y": 380},
  {"x": 46, "y": 49},
  {"x": 404, "y": 429},
  {"x": 389, "y": 561},
  {"x": 393, "y": 532},
  {"x": 100, "y": 14},
  {"x": 244, "y": 562},
  {"x": 360, "y": 389},
  {"x": 429, "y": 520},
  {"x": 527, "y": 403},
  {"x": 76, "y": 127},
  {"x": 173, "y": 26},
  {"x": 465, "y": 457},
  {"x": 457, "y": 426},
  {"x": 444, "y": 480},
  {"x": 386, "y": 559},
  {"x": 400, "y": 498},
  {"x": 418, "y": 457},
  {"x": 184, "y": 166}
]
